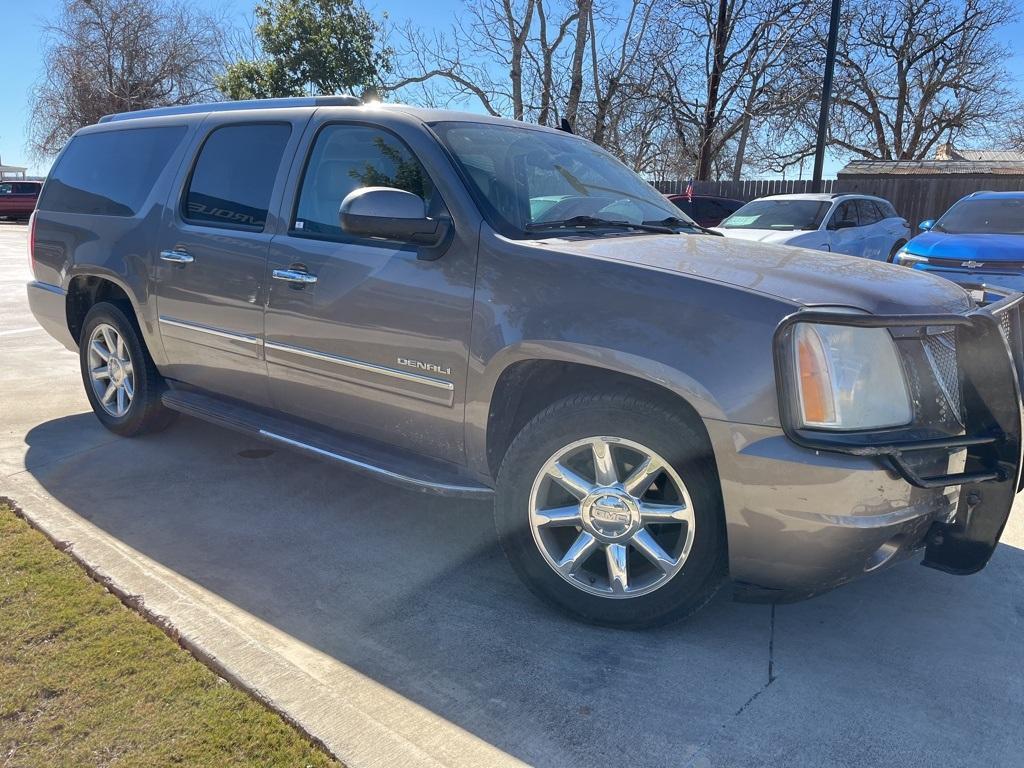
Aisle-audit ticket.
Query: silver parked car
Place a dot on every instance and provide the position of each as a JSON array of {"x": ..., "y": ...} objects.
[
  {"x": 857, "y": 225},
  {"x": 479, "y": 308}
]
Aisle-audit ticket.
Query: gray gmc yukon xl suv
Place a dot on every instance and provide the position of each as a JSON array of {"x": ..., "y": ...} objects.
[{"x": 482, "y": 308}]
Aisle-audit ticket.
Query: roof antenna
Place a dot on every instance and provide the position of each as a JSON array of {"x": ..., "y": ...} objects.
[{"x": 564, "y": 126}]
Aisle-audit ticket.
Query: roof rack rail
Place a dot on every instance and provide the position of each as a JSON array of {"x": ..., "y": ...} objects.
[{"x": 227, "y": 106}]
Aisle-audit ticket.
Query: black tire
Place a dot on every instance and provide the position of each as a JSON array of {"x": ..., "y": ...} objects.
[
  {"x": 669, "y": 433},
  {"x": 146, "y": 413},
  {"x": 892, "y": 253}
]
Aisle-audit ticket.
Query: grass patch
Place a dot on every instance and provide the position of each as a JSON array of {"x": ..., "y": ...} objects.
[{"x": 84, "y": 681}]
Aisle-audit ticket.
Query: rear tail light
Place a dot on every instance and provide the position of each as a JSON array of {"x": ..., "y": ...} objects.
[{"x": 32, "y": 244}]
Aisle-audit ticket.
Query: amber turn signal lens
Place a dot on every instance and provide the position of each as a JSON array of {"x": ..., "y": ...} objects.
[{"x": 816, "y": 401}]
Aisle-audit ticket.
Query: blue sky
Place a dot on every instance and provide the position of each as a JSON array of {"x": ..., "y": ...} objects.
[{"x": 21, "y": 24}]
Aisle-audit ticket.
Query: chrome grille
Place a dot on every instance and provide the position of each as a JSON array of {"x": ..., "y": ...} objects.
[{"x": 940, "y": 349}]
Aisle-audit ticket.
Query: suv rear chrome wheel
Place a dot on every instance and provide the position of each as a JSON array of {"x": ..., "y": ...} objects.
[
  {"x": 111, "y": 370},
  {"x": 121, "y": 381},
  {"x": 609, "y": 507},
  {"x": 611, "y": 517}
]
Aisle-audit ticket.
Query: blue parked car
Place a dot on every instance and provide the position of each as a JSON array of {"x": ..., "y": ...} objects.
[{"x": 978, "y": 241}]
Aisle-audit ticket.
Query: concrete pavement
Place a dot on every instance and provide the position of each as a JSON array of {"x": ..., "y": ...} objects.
[{"x": 387, "y": 624}]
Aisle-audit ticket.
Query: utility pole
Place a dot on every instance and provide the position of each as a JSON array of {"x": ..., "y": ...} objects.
[{"x": 826, "y": 95}]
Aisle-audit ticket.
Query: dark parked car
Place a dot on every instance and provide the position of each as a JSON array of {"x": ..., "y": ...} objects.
[
  {"x": 18, "y": 198},
  {"x": 706, "y": 210},
  {"x": 477, "y": 307}
]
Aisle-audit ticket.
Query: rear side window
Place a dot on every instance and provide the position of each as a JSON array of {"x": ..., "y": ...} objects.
[
  {"x": 109, "y": 173},
  {"x": 868, "y": 212},
  {"x": 233, "y": 178},
  {"x": 846, "y": 212},
  {"x": 349, "y": 157}
]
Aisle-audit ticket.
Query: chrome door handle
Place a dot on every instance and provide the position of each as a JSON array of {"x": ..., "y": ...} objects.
[
  {"x": 176, "y": 257},
  {"x": 294, "y": 276}
]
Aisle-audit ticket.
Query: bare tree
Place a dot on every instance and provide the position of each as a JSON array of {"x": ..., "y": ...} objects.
[
  {"x": 743, "y": 72},
  {"x": 912, "y": 73},
  {"x": 105, "y": 56}
]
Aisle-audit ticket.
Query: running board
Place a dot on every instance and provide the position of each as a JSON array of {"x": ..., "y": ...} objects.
[{"x": 398, "y": 468}]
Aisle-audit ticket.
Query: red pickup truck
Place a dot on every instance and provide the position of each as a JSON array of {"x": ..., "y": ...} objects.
[{"x": 18, "y": 198}]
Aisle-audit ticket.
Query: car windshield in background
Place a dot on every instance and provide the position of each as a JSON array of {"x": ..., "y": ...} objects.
[
  {"x": 529, "y": 181},
  {"x": 783, "y": 215},
  {"x": 984, "y": 216}
]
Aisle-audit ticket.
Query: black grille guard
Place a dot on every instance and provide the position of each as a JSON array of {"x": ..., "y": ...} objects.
[{"x": 989, "y": 343}]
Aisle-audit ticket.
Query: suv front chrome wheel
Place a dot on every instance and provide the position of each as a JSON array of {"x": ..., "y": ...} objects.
[
  {"x": 609, "y": 507},
  {"x": 611, "y": 517}
]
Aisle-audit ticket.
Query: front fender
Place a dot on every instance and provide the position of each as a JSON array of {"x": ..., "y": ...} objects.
[{"x": 481, "y": 388}]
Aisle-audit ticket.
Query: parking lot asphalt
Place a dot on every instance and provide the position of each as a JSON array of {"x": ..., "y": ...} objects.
[{"x": 388, "y": 624}]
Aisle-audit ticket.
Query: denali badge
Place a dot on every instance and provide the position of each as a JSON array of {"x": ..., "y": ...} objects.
[{"x": 432, "y": 367}]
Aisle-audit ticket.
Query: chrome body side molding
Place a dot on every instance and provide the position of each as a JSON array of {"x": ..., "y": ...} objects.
[
  {"x": 349, "y": 362},
  {"x": 207, "y": 329}
]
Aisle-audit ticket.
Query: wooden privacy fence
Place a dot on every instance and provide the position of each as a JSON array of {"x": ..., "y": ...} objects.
[
  {"x": 915, "y": 197},
  {"x": 741, "y": 190}
]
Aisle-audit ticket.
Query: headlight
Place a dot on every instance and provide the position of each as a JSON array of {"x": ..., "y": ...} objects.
[
  {"x": 849, "y": 378},
  {"x": 907, "y": 259}
]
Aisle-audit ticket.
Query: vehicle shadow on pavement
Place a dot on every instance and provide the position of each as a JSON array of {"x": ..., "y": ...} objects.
[{"x": 412, "y": 591}]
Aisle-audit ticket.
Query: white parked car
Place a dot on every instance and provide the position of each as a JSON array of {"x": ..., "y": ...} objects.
[{"x": 858, "y": 225}]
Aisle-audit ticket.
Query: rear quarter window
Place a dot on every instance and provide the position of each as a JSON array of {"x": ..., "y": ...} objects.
[{"x": 109, "y": 173}]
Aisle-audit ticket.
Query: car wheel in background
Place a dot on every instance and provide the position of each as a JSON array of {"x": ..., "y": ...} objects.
[
  {"x": 610, "y": 508},
  {"x": 121, "y": 381}
]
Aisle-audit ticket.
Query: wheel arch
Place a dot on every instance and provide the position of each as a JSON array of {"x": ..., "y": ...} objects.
[
  {"x": 86, "y": 290},
  {"x": 530, "y": 380}
]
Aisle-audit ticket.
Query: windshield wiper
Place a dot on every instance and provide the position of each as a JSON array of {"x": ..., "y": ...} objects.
[
  {"x": 585, "y": 222},
  {"x": 675, "y": 221}
]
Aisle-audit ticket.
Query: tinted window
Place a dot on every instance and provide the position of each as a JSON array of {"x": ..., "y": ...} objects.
[
  {"x": 233, "y": 178},
  {"x": 109, "y": 173},
  {"x": 846, "y": 212},
  {"x": 888, "y": 212},
  {"x": 685, "y": 206},
  {"x": 705, "y": 209},
  {"x": 713, "y": 209},
  {"x": 6, "y": 189},
  {"x": 783, "y": 215},
  {"x": 1003, "y": 216},
  {"x": 346, "y": 158},
  {"x": 868, "y": 212}
]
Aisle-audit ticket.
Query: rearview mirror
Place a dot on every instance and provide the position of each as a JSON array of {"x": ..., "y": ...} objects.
[
  {"x": 390, "y": 213},
  {"x": 925, "y": 225}
]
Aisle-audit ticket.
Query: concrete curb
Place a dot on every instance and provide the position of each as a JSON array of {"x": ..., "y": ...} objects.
[{"x": 358, "y": 720}]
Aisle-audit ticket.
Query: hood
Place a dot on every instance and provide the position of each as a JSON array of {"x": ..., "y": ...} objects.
[
  {"x": 798, "y": 275},
  {"x": 762, "y": 235},
  {"x": 982, "y": 248}
]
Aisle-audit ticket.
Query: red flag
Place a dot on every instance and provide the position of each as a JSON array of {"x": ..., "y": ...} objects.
[{"x": 689, "y": 191}]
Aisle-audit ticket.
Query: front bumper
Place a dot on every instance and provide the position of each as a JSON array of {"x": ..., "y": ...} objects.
[{"x": 989, "y": 360}]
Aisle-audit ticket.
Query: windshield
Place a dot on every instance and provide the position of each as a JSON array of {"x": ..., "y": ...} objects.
[
  {"x": 990, "y": 216},
  {"x": 783, "y": 215},
  {"x": 525, "y": 179}
]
